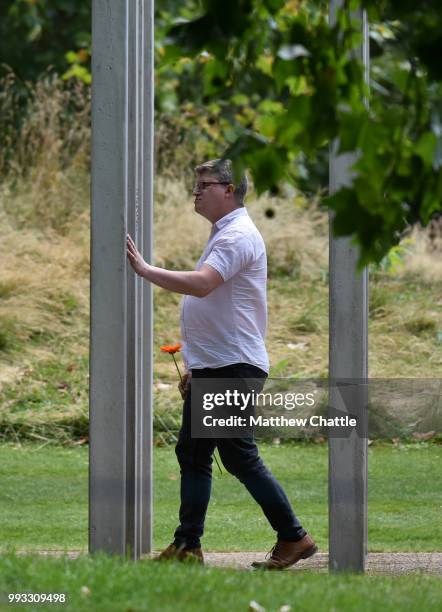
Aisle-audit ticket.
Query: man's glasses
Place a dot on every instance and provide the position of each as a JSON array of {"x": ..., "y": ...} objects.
[{"x": 200, "y": 187}]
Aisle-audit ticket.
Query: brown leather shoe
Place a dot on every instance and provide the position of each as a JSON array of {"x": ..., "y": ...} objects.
[
  {"x": 180, "y": 553},
  {"x": 284, "y": 554}
]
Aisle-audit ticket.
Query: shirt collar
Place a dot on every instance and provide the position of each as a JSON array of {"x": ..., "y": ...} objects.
[{"x": 238, "y": 212}]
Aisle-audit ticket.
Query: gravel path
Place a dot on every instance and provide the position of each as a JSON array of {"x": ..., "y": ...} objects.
[
  {"x": 392, "y": 564},
  {"x": 377, "y": 563}
]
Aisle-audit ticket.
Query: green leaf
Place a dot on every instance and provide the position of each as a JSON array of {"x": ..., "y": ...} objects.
[
  {"x": 425, "y": 147},
  {"x": 267, "y": 167},
  {"x": 274, "y": 5},
  {"x": 294, "y": 121},
  {"x": 215, "y": 76}
]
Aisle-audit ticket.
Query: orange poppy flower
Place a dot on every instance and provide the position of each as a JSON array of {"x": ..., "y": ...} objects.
[{"x": 174, "y": 348}]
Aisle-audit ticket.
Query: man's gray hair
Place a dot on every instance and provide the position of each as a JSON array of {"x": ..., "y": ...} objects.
[{"x": 222, "y": 170}]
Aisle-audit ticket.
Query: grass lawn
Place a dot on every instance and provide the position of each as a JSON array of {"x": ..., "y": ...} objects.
[
  {"x": 43, "y": 498},
  {"x": 99, "y": 583}
]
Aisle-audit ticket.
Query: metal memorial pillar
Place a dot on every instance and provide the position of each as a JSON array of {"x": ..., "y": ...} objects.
[
  {"x": 120, "y": 460},
  {"x": 348, "y": 359}
]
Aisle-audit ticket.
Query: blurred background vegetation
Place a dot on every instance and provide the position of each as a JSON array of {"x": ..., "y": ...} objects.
[{"x": 44, "y": 226}]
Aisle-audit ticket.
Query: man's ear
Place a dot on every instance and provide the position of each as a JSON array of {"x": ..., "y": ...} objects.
[{"x": 231, "y": 189}]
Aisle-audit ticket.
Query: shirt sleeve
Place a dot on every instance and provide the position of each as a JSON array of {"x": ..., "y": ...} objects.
[{"x": 230, "y": 254}]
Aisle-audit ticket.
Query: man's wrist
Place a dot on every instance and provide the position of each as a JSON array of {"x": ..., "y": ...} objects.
[{"x": 146, "y": 272}]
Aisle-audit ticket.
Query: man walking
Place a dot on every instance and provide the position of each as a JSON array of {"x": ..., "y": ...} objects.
[{"x": 223, "y": 325}]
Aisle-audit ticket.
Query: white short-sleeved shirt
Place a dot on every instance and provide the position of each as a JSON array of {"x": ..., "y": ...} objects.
[{"x": 229, "y": 325}]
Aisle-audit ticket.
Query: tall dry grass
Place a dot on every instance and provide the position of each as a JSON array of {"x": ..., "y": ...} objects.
[
  {"x": 421, "y": 259},
  {"x": 44, "y": 185},
  {"x": 44, "y": 164},
  {"x": 44, "y": 240}
]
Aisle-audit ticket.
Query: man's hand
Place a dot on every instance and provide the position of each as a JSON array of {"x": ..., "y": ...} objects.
[
  {"x": 184, "y": 385},
  {"x": 134, "y": 256}
]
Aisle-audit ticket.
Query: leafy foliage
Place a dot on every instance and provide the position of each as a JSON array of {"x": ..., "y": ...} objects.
[
  {"x": 282, "y": 83},
  {"x": 37, "y": 33},
  {"x": 271, "y": 84}
]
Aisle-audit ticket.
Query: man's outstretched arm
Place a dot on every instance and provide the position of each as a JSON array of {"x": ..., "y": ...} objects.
[{"x": 197, "y": 283}]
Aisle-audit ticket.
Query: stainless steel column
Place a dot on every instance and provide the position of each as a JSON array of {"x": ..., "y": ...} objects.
[
  {"x": 348, "y": 359},
  {"x": 120, "y": 462}
]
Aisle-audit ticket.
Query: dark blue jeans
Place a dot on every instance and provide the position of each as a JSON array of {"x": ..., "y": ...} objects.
[{"x": 240, "y": 457}]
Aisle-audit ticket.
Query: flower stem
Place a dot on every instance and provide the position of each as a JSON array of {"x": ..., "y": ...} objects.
[{"x": 176, "y": 365}]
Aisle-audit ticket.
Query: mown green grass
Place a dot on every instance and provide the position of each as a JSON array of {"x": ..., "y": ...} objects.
[
  {"x": 103, "y": 583},
  {"x": 43, "y": 498}
]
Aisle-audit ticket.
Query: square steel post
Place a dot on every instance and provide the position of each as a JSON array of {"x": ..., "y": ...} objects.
[
  {"x": 348, "y": 359},
  {"x": 120, "y": 457}
]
